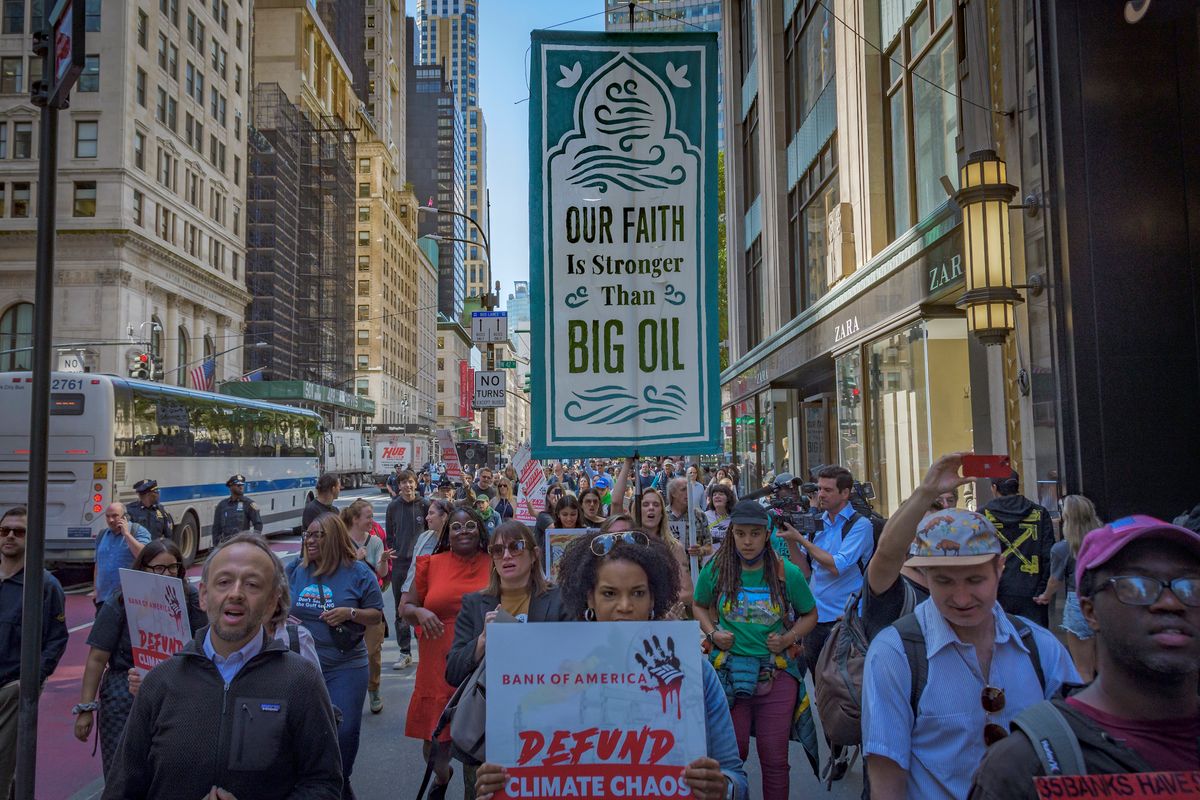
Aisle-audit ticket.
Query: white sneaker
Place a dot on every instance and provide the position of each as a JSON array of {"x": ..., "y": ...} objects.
[{"x": 404, "y": 662}]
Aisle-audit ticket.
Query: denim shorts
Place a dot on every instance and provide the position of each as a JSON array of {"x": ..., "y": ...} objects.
[{"x": 1073, "y": 621}]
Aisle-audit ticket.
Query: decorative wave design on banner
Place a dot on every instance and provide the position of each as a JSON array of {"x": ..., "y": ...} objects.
[
  {"x": 613, "y": 405},
  {"x": 629, "y": 116}
]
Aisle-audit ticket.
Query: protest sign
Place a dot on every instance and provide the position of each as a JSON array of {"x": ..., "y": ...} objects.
[
  {"x": 532, "y": 479},
  {"x": 557, "y": 540},
  {"x": 449, "y": 454},
  {"x": 597, "y": 710},
  {"x": 1133, "y": 786},
  {"x": 623, "y": 253},
  {"x": 156, "y": 608}
]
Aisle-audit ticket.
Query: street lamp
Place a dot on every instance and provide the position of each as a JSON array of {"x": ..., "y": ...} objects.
[{"x": 987, "y": 253}]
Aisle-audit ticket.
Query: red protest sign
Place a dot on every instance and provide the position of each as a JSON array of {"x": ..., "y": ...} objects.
[{"x": 1131, "y": 786}]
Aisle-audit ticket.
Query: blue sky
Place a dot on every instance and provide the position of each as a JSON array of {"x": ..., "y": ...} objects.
[{"x": 504, "y": 27}]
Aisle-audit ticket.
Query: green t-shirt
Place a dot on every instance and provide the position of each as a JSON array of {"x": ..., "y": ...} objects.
[{"x": 751, "y": 616}]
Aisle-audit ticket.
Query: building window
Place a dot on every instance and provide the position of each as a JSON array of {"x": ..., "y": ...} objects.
[
  {"x": 754, "y": 289},
  {"x": 364, "y": 190},
  {"x": 173, "y": 62},
  {"x": 86, "y": 139},
  {"x": 3, "y": 142},
  {"x": 143, "y": 28},
  {"x": 12, "y": 75},
  {"x": 85, "y": 199},
  {"x": 364, "y": 313},
  {"x": 22, "y": 140},
  {"x": 364, "y": 288},
  {"x": 750, "y": 176},
  {"x": 364, "y": 263},
  {"x": 808, "y": 62},
  {"x": 14, "y": 16},
  {"x": 92, "y": 19},
  {"x": 364, "y": 165},
  {"x": 140, "y": 87},
  {"x": 20, "y": 201},
  {"x": 364, "y": 238},
  {"x": 364, "y": 337},
  {"x": 3, "y": 198},
  {"x": 810, "y": 203},
  {"x": 181, "y": 352},
  {"x": 364, "y": 362},
  {"x": 362, "y": 386},
  {"x": 364, "y": 213},
  {"x": 749, "y": 43},
  {"x": 139, "y": 201},
  {"x": 922, "y": 122},
  {"x": 16, "y": 337},
  {"x": 89, "y": 79}
]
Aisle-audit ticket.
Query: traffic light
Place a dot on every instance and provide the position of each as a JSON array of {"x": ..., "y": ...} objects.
[{"x": 140, "y": 365}]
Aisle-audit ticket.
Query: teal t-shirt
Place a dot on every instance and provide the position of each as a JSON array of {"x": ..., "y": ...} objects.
[{"x": 751, "y": 616}]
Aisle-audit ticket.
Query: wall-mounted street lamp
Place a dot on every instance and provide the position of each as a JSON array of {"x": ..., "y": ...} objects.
[{"x": 987, "y": 253}]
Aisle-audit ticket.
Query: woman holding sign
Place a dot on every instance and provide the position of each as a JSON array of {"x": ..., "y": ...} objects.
[
  {"x": 622, "y": 575},
  {"x": 753, "y": 608},
  {"x": 111, "y": 647}
]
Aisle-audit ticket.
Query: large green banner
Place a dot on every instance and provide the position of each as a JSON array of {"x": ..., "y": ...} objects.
[{"x": 623, "y": 243}]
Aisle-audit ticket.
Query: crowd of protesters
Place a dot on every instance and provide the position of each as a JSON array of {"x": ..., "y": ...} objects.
[{"x": 966, "y": 688}]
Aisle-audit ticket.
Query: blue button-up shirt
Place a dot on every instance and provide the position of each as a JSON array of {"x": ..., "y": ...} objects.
[
  {"x": 112, "y": 556},
  {"x": 942, "y": 749},
  {"x": 230, "y": 665},
  {"x": 848, "y": 547}
]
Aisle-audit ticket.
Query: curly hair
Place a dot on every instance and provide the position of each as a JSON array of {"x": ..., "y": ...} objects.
[
  {"x": 580, "y": 567},
  {"x": 443, "y": 543},
  {"x": 727, "y": 564}
]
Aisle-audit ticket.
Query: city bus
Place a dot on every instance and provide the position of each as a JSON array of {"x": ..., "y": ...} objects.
[{"x": 107, "y": 433}]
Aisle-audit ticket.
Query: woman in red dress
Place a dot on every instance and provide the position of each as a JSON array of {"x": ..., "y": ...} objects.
[{"x": 459, "y": 566}]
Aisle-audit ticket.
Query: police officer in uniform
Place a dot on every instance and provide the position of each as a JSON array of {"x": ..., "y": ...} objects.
[
  {"x": 235, "y": 513},
  {"x": 148, "y": 512}
]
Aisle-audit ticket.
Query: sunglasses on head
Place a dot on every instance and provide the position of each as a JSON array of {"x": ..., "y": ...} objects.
[
  {"x": 603, "y": 544},
  {"x": 5, "y": 530},
  {"x": 501, "y": 549}
]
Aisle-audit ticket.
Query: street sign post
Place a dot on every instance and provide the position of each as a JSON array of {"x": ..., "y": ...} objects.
[
  {"x": 489, "y": 389},
  {"x": 489, "y": 327},
  {"x": 67, "y": 51}
]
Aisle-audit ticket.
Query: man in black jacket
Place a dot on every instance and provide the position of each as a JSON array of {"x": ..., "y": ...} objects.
[
  {"x": 405, "y": 521},
  {"x": 54, "y": 633},
  {"x": 1027, "y": 535},
  {"x": 1139, "y": 589},
  {"x": 261, "y": 710}
]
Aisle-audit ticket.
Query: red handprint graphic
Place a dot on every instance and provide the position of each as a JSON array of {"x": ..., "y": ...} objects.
[{"x": 663, "y": 667}]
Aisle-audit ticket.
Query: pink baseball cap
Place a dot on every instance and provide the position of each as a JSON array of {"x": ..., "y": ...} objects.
[{"x": 1101, "y": 545}]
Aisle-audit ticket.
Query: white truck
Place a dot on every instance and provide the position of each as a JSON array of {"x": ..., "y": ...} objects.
[
  {"x": 392, "y": 445},
  {"x": 346, "y": 455}
]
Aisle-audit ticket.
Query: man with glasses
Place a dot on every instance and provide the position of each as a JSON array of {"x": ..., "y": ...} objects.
[
  {"x": 148, "y": 512},
  {"x": 1139, "y": 590},
  {"x": 983, "y": 666},
  {"x": 54, "y": 633}
]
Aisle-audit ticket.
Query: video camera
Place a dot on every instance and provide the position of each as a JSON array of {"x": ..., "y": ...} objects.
[{"x": 795, "y": 511}]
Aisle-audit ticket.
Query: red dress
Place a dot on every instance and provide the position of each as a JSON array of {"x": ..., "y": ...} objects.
[{"x": 441, "y": 581}]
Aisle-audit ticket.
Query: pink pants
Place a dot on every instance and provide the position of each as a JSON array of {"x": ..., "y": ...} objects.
[{"x": 771, "y": 714}]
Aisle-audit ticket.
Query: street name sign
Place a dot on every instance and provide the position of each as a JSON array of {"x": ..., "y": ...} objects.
[
  {"x": 489, "y": 389},
  {"x": 508, "y": 365},
  {"x": 623, "y": 243},
  {"x": 489, "y": 327}
]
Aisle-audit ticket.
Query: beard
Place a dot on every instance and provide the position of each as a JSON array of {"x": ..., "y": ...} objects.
[{"x": 251, "y": 621}]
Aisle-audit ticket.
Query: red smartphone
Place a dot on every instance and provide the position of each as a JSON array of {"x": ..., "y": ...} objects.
[{"x": 983, "y": 466}]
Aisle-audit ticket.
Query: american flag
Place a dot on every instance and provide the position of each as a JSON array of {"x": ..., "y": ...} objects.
[
  {"x": 202, "y": 376},
  {"x": 253, "y": 375}
]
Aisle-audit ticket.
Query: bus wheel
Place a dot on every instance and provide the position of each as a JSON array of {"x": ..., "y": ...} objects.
[{"x": 187, "y": 536}]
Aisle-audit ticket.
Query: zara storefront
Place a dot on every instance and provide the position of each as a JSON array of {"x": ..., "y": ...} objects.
[{"x": 876, "y": 376}]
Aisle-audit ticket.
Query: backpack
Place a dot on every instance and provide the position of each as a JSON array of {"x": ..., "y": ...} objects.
[
  {"x": 877, "y": 522},
  {"x": 913, "y": 641},
  {"x": 467, "y": 710},
  {"x": 838, "y": 676},
  {"x": 1054, "y": 741}
]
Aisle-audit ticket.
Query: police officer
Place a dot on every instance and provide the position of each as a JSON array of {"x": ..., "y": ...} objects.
[
  {"x": 235, "y": 513},
  {"x": 148, "y": 512}
]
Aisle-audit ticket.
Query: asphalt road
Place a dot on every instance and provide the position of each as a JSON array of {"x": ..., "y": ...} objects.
[{"x": 389, "y": 765}]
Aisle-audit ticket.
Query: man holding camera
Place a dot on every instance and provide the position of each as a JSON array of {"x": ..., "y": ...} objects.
[{"x": 834, "y": 557}]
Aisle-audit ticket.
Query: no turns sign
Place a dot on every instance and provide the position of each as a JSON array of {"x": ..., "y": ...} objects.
[{"x": 489, "y": 389}]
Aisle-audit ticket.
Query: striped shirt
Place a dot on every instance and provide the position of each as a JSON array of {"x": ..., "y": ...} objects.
[{"x": 945, "y": 746}]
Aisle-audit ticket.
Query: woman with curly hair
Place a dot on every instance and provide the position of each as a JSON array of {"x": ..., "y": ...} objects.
[
  {"x": 753, "y": 608},
  {"x": 622, "y": 575},
  {"x": 459, "y": 565}
]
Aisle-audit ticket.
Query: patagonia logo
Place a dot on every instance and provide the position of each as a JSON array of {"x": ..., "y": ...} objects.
[{"x": 269, "y": 707}]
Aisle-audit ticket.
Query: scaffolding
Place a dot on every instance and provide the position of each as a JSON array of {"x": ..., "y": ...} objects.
[{"x": 300, "y": 242}]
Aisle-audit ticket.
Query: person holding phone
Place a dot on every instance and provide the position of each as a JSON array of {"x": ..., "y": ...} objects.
[{"x": 116, "y": 548}]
